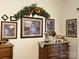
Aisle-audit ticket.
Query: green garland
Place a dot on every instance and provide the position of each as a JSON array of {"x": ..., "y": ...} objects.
[{"x": 33, "y": 9}]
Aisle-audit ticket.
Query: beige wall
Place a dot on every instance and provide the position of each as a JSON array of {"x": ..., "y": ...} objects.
[
  {"x": 60, "y": 10},
  {"x": 28, "y": 48},
  {"x": 70, "y": 12}
]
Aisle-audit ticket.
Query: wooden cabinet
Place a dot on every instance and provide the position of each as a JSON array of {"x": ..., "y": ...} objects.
[
  {"x": 6, "y": 52},
  {"x": 54, "y": 51}
]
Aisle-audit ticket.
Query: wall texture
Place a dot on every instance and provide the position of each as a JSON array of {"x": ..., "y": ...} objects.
[
  {"x": 28, "y": 48},
  {"x": 70, "y": 12}
]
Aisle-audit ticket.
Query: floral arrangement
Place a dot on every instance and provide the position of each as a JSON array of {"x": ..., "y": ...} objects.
[{"x": 33, "y": 9}]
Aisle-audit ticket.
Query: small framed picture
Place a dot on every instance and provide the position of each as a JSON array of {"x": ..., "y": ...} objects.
[
  {"x": 8, "y": 30},
  {"x": 71, "y": 28},
  {"x": 49, "y": 25},
  {"x": 31, "y": 27},
  {"x": 12, "y": 18}
]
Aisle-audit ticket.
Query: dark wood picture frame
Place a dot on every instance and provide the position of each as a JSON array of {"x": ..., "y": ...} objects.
[
  {"x": 12, "y": 18},
  {"x": 71, "y": 28},
  {"x": 4, "y": 17},
  {"x": 31, "y": 27},
  {"x": 49, "y": 25},
  {"x": 8, "y": 30}
]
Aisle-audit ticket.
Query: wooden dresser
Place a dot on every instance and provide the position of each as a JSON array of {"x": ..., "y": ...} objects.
[
  {"x": 6, "y": 52},
  {"x": 54, "y": 51}
]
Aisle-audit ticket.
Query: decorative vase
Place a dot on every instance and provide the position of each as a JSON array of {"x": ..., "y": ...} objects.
[{"x": 46, "y": 37}]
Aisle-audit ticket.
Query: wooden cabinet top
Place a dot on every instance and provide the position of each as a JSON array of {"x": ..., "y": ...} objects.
[
  {"x": 5, "y": 46},
  {"x": 42, "y": 43}
]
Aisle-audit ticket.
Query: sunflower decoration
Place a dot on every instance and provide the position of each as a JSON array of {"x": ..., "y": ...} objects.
[
  {"x": 37, "y": 10},
  {"x": 33, "y": 9}
]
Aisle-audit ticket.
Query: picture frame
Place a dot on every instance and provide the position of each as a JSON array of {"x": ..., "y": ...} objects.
[
  {"x": 4, "y": 17},
  {"x": 13, "y": 18},
  {"x": 49, "y": 25},
  {"x": 31, "y": 27},
  {"x": 8, "y": 30},
  {"x": 71, "y": 28}
]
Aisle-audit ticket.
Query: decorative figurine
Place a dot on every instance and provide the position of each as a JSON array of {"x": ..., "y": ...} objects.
[{"x": 46, "y": 37}]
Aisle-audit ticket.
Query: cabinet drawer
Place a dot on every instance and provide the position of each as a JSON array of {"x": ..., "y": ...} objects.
[
  {"x": 64, "y": 57},
  {"x": 54, "y": 57},
  {"x": 53, "y": 52},
  {"x": 54, "y": 46},
  {"x": 53, "y": 49},
  {"x": 64, "y": 53},
  {"x": 64, "y": 46},
  {"x": 6, "y": 58},
  {"x": 5, "y": 52}
]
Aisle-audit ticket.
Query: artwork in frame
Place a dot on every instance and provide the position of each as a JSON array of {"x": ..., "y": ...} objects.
[
  {"x": 8, "y": 30},
  {"x": 49, "y": 25},
  {"x": 71, "y": 28},
  {"x": 12, "y": 18},
  {"x": 31, "y": 27}
]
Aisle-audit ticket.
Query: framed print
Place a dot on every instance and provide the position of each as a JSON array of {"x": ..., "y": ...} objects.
[
  {"x": 49, "y": 25},
  {"x": 31, "y": 27},
  {"x": 8, "y": 30},
  {"x": 71, "y": 28},
  {"x": 12, "y": 18}
]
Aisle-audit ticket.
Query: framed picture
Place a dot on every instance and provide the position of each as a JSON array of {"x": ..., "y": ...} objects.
[
  {"x": 12, "y": 18},
  {"x": 49, "y": 24},
  {"x": 71, "y": 28},
  {"x": 31, "y": 27},
  {"x": 8, "y": 30}
]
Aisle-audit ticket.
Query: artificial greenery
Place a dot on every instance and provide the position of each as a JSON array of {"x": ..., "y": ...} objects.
[{"x": 34, "y": 10}]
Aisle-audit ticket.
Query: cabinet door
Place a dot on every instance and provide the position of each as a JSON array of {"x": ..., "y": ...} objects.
[
  {"x": 5, "y": 52},
  {"x": 6, "y": 58},
  {"x": 53, "y": 57},
  {"x": 53, "y": 50},
  {"x": 64, "y": 51},
  {"x": 43, "y": 52},
  {"x": 64, "y": 48},
  {"x": 64, "y": 57}
]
